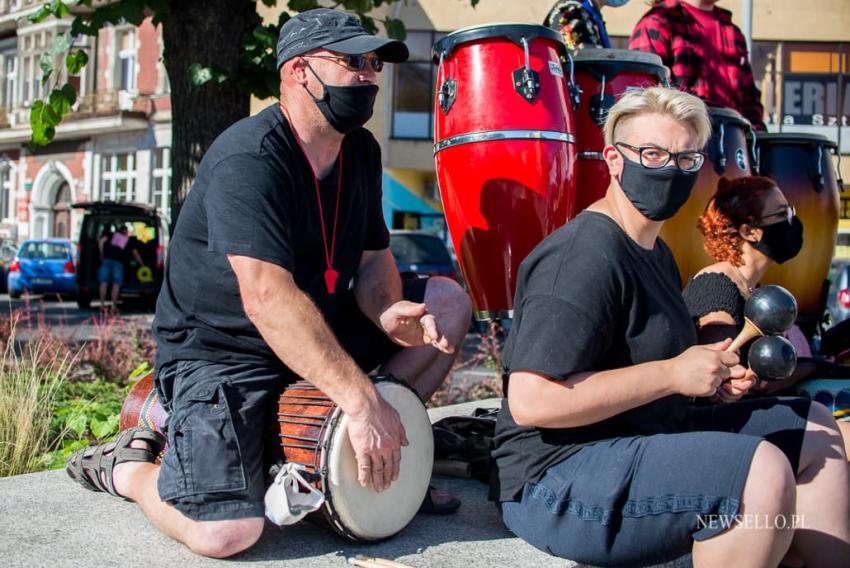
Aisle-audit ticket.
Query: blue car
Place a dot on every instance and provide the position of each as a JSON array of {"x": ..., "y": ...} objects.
[{"x": 43, "y": 266}]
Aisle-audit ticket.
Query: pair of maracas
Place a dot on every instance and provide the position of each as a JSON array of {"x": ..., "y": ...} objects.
[{"x": 770, "y": 310}]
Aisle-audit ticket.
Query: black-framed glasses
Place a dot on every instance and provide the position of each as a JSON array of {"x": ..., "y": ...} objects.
[
  {"x": 654, "y": 157},
  {"x": 787, "y": 213},
  {"x": 355, "y": 62}
]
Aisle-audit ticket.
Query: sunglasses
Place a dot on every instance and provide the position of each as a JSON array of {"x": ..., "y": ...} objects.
[
  {"x": 355, "y": 62},
  {"x": 787, "y": 212}
]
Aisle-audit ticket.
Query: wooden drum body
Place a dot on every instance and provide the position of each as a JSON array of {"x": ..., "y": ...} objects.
[
  {"x": 603, "y": 75},
  {"x": 801, "y": 166},
  {"x": 729, "y": 154},
  {"x": 504, "y": 151}
]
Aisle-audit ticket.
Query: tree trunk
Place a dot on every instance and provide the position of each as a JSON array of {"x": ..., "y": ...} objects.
[{"x": 208, "y": 32}]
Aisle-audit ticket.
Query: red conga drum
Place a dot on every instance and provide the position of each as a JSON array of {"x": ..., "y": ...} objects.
[
  {"x": 801, "y": 166},
  {"x": 504, "y": 151},
  {"x": 729, "y": 154},
  {"x": 603, "y": 75}
]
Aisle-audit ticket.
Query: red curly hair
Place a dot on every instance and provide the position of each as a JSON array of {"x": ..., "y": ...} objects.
[{"x": 737, "y": 202}]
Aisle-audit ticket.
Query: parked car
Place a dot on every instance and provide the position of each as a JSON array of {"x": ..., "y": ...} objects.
[
  {"x": 148, "y": 236},
  {"x": 8, "y": 251},
  {"x": 422, "y": 253},
  {"x": 838, "y": 301},
  {"x": 43, "y": 266}
]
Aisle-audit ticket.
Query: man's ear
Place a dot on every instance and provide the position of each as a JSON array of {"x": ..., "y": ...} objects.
[{"x": 297, "y": 70}]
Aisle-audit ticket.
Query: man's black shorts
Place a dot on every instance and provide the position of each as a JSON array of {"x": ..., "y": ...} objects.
[{"x": 215, "y": 465}]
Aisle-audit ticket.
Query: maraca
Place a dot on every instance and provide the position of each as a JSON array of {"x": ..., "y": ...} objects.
[
  {"x": 772, "y": 358},
  {"x": 769, "y": 310}
]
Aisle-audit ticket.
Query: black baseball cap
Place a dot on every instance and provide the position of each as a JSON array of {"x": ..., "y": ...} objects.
[{"x": 335, "y": 31}]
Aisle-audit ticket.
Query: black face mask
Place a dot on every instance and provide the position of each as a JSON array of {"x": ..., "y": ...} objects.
[
  {"x": 656, "y": 193},
  {"x": 782, "y": 241},
  {"x": 345, "y": 108}
]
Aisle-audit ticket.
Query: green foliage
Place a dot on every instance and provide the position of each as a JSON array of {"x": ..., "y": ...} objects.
[{"x": 75, "y": 61}]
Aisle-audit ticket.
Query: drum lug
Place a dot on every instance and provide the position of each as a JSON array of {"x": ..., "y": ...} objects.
[
  {"x": 720, "y": 165},
  {"x": 526, "y": 80},
  {"x": 446, "y": 94},
  {"x": 572, "y": 87},
  {"x": 526, "y": 83}
]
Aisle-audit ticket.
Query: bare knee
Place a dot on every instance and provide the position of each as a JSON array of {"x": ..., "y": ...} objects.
[
  {"x": 823, "y": 437},
  {"x": 451, "y": 305},
  {"x": 771, "y": 487},
  {"x": 221, "y": 539}
]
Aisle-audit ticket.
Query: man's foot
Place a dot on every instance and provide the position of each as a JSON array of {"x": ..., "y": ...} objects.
[
  {"x": 439, "y": 502},
  {"x": 94, "y": 467}
]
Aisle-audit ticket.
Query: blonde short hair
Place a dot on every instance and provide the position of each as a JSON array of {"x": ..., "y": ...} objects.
[{"x": 681, "y": 106}]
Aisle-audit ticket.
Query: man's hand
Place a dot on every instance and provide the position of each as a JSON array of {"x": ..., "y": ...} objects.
[
  {"x": 377, "y": 436},
  {"x": 410, "y": 325}
]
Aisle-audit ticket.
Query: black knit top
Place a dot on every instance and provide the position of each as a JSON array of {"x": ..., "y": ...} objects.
[{"x": 714, "y": 292}]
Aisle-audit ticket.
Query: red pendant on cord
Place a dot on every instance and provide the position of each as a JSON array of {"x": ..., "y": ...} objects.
[{"x": 331, "y": 275}]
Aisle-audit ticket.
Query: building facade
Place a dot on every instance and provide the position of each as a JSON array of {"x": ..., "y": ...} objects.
[{"x": 115, "y": 143}]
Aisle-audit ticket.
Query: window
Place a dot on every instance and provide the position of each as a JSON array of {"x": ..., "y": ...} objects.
[
  {"x": 45, "y": 250},
  {"x": 9, "y": 71},
  {"x": 118, "y": 177},
  {"x": 126, "y": 72},
  {"x": 6, "y": 193},
  {"x": 34, "y": 45},
  {"x": 414, "y": 86},
  {"x": 161, "y": 179}
]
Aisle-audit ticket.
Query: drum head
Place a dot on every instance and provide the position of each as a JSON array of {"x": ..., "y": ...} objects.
[{"x": 370, "y": 515}]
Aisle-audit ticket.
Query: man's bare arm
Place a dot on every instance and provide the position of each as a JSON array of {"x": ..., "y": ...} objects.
[
  {"x": 377, "y": 285},
  {"x": 296, "y": 331}
]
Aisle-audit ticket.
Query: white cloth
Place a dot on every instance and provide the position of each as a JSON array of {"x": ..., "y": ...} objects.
[{"x": 289, "y": 498}]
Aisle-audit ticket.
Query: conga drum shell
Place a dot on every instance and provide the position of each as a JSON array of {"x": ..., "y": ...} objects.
[
  {"x": 603, "y": 75},
  {"x": 801, "y": 166},
  {"x": 142, "y": 407},
  {"x": 728, "y": 154},
  {"x": 504, "y": 155}
]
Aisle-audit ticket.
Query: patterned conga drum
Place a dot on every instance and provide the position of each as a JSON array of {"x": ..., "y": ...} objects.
[
  {"x": 603, "y": 75},
  {"x": 729, "y": 154},
  {"x": 504, "y": 151},
  {"x": 801, "y": 165}
]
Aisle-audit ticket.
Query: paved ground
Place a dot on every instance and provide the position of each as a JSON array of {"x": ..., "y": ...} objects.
[{"x": 47, "y": 520}]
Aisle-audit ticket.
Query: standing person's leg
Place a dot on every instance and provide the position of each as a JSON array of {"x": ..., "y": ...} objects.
[
  {"x": 425, "y": 368},
  {"x": 117, "y": 281},
  {"x": 103, "y": 276}
]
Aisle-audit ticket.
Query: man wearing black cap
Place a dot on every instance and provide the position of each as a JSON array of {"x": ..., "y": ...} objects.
[{"x": 279, "y": 268}]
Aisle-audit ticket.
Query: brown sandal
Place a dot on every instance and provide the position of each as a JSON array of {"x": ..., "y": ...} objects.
[{"x": 92, "y": 467}]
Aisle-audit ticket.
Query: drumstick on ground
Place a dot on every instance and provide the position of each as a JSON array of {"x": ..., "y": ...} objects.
[{"x": 372, "y": 562}]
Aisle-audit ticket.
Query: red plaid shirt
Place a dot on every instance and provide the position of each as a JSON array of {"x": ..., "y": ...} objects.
[{"x": 672, "y": 33}]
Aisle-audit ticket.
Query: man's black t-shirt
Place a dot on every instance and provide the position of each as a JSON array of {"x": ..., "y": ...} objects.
[
  {"x": 589, "y": 298},
  {"x": 255, "y": 196}
]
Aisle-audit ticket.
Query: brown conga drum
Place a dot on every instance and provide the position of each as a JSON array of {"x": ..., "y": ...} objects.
[
  {"x": 801, "y": 165},
  {"x": 312, "y": 431},
  {"x": 729, "y": 154}
]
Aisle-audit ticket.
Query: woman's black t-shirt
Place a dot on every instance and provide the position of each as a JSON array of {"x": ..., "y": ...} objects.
[
  {"x": 589, "y": 298},
  {"x": 255, "y": 196}
]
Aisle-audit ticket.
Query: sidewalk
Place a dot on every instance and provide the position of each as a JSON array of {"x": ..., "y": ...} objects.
[{"x": 47, "y": 520}]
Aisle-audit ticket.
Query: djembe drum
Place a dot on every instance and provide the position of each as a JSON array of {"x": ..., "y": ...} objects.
[{"x": 312, "y": 431}]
